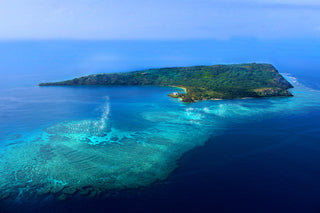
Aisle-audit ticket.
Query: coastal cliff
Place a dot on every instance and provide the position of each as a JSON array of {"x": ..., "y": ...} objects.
[{"x": 200, "y": 82}]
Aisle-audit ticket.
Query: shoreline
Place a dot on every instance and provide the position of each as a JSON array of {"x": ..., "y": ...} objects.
[{"x": 180, "y": 87}]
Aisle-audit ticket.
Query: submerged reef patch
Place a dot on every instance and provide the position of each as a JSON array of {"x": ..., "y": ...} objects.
[{"x": 87, "y": 157}]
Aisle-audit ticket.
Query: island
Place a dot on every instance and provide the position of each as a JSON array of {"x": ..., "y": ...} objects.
[{"x": 199, "y": 82}]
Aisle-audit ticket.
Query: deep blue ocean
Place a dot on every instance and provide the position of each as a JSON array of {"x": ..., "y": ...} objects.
[{"x": 152, "y": 153}]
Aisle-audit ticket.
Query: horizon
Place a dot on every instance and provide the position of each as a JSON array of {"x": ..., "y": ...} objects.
[{"x": 57, "y": 60}]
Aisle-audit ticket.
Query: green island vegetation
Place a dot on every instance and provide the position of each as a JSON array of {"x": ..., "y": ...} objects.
[{"x": 200, "y": 82}]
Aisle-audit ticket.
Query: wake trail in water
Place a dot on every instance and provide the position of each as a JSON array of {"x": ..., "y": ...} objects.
[{"x": 103, "y": 122}]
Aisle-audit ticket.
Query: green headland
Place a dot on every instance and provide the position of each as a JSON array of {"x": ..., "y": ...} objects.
[{"x": 200, "y": 82}]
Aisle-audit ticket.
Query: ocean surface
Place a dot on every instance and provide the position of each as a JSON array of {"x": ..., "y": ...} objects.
[{"x": 134, "y": 149}]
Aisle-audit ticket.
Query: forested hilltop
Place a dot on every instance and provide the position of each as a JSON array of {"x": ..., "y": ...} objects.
[{"x": 201, "y": 82}]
